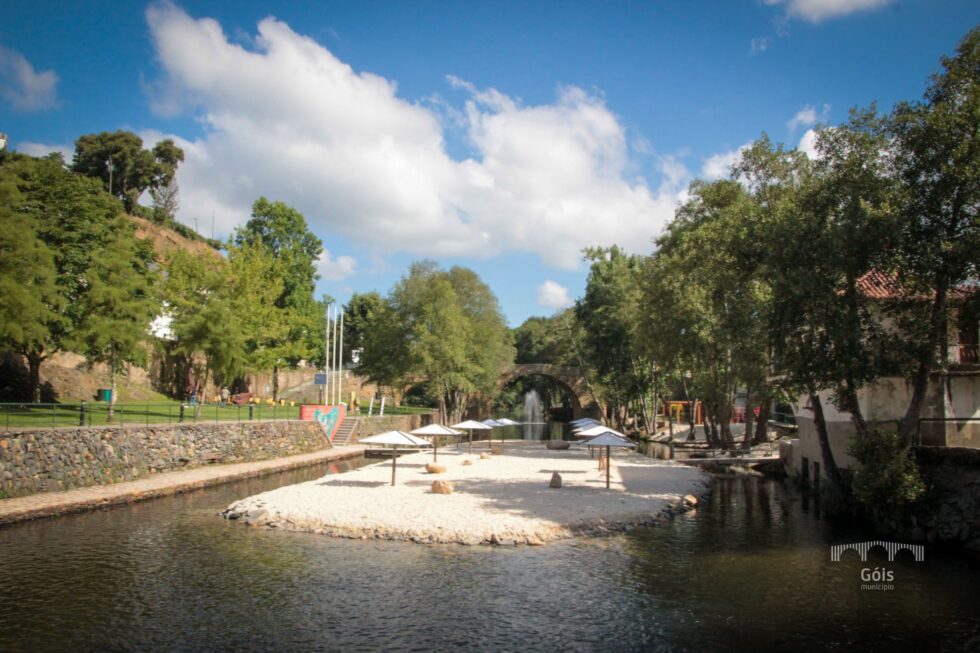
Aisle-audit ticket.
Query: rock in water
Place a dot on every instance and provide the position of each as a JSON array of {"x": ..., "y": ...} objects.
[
  {"x": 433, "y": 468},
  {"x": 555, "y": 480},
  {"x": 442, "y": 487},
  {"x": 691, "y": 500},
  {"x": 557, "y": 444}
]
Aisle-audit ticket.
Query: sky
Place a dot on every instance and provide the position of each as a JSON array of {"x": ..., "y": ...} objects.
[{"x": 500, "y": 136}]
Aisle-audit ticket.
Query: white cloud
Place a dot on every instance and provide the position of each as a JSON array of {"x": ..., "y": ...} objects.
[
  {"x": 759, "y": 44},
  {"x": 553, "y": 295},
  {"x": 720, "y": 165},
  {"x": 808, "y": 144},
  {"x": 23, "y": 87},
  {"x": 335, "y": 269},
  {"x": 816, "y": 11},
  {"x": 290, "y": 121},
  {"x": 67, "y": 150},
  {"x": 804, "y": 117}
]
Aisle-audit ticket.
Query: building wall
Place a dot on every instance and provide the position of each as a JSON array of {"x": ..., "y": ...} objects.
[{"x": 884, "y": 403}]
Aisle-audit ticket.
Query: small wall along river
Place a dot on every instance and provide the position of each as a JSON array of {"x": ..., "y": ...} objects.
[{"x": 750, "y": 570}]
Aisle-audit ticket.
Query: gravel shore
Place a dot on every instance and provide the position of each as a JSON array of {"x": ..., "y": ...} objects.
[{"x": 502, "y": 499}]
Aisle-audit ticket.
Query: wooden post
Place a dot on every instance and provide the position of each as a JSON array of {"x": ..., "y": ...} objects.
[
  {"x": 394, "y": 462},
  {"x": 471, "y": 441},
  {"x": 608, "y": 465}
]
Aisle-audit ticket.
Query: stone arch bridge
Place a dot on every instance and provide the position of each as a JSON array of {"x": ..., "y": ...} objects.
[{"x": 584, "y": 403}]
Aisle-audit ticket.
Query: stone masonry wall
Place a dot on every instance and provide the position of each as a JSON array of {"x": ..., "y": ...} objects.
[
  {"x": 950, "y": 511},
  {"x": 48, "y": 460},
  {"x": 374, "y": 425}
]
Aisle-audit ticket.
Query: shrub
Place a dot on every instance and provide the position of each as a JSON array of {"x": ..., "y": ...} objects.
[{"x": 886, "y": 479}]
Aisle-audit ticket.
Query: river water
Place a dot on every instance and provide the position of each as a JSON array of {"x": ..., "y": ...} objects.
[{"x": 749, "y": 571}]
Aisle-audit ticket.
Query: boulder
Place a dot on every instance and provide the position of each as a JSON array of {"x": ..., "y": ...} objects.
[
  {"x": 484, "y": 456},
  {"x": 467, "y": 462},
  {"x": 434, "y": 468},
  {"x": 691, "y": 500},
  {"x": 497, "y": 451},
  {"x": 555, "y": 480},
  {"x": 442, "y": 487},
  {"x": 558, "y": 445}
]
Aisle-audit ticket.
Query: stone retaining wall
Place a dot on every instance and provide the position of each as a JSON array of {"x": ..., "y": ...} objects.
[
  {"x": 48, "y": 460},
  {"x": 950, "y": 511},
  {"x": 375, "y": 424}
]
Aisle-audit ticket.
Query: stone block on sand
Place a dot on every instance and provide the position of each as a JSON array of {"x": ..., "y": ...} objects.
[
  {"x": 556, "y": 445},
  {"x": 467, "y": 462},
  {"x": 555, "y": 480},
  {"x": 484, "y": 456},
  {"x": 434, "y": 468},
  {"x": 442, "y": 487}
]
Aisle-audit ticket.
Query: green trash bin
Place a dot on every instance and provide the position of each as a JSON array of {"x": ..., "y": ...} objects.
[{"x": 103, "y": 394}]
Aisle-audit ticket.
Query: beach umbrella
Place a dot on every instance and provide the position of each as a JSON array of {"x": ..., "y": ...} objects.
[
  {"x": 506, "y": 421},
  {"x": 609, "y": 439},
  {"x": 435, "y": 430},
  {"x": 396, "y": 439},
  {"x": 492, "y": 423},
  {"x": 472, "y": 425},
  {"x": 593, "y": 431}
]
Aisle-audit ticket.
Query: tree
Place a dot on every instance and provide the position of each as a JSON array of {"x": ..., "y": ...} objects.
[
  {"x": 206, "y": 328},
  {"x": 119, "y": 306},
  {"x": 939, "y": 167},
  {"x": 358, "y": 313},
  {"x": 442, "y": 328},
  {"x": 29, "y": 300},
  {"x": 610, "y": 352},
  {"x": 74, "y": 218},
  {"x": 705, "y": 309},
  {"x": 166, "y": 201},
  {"x": 281, "y": 231},
  {"x": 125, "y": 168}
]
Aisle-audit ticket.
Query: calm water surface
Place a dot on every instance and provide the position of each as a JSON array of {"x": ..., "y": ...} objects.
[{"x": 750, "y": 571}]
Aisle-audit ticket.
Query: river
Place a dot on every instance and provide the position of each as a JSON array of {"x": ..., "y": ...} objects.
[{"x": 749, "y": 571}]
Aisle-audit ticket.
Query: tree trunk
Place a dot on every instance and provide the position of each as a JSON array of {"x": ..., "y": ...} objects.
[
  {"x": 762, "y": 425},
  {"x": 275, "y": 382},
  {"x": 829, "y": 464},
  {"x": 920, "y": 382},
  {"x": 749, "y": 419},
  {"x": 34, "y": 360}
]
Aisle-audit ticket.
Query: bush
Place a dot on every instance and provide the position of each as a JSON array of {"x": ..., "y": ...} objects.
[{"x": 886, "y": 479}]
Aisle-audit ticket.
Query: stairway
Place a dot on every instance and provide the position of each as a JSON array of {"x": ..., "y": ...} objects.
[{"x": 345, "y": 432}]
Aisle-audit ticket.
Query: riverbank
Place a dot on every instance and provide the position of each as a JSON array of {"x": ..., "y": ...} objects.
[
  {"x": 50, "y": 504},
  {"x": 502, "y": 499}
]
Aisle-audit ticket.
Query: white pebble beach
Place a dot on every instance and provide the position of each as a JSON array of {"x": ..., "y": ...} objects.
[{"x": 503, "y": 499}]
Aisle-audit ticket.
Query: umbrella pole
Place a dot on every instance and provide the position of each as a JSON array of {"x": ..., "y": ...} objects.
[
  {"x": 435, "y": 448},
  {"x": 470, "y": 450},
  {"x": 394, "y": 462},
  {"x": 608, "y": 465}
]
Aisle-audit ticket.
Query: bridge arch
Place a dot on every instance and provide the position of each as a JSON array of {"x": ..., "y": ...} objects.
[{"x": 584, "y": 403}]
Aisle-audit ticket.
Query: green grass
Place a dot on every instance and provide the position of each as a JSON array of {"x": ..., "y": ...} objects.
[{"x": 20, "y": 416}]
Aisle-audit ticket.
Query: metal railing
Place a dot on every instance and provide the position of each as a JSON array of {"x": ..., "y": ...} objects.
[
  {"x": 940, "y": 420},
  {"x": 26, "y": 416}
]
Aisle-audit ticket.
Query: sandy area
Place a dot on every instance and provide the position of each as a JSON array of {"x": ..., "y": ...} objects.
[{"x": 505, "y": 499}]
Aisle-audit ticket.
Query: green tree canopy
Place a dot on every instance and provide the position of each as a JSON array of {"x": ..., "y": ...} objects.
[{"x": 119, "y": 155}]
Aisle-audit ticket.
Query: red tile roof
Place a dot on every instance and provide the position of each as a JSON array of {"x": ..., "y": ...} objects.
[{"x": 882, "y": 285}]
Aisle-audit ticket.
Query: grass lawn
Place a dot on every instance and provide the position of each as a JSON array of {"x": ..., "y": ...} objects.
[{"x": 167, "y": 411}]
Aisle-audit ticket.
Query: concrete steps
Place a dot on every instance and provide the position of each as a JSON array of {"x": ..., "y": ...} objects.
[{"x": 345, "y": 432}]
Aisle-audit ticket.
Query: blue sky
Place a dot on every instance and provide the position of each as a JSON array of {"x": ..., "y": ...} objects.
[{"x": 503, "y": 136}]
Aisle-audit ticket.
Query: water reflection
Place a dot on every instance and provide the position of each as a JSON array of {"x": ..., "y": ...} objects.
[{"x": 749, "y": 570}]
